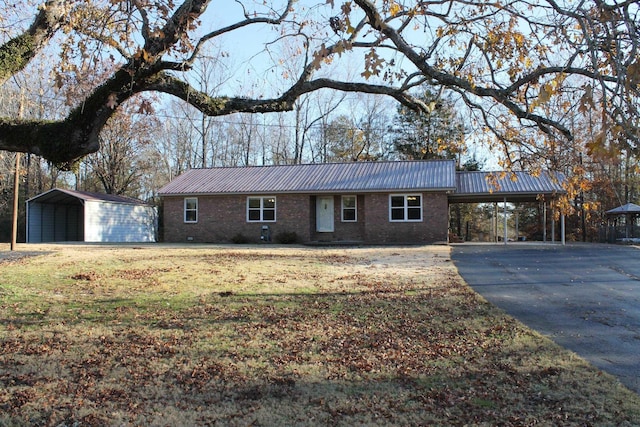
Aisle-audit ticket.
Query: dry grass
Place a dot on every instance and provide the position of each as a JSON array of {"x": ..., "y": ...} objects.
[{"x": 266, "y": 335}]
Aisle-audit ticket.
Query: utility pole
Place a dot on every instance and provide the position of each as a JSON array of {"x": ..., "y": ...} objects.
[
  {"x": 16, "y": 192},
  {"x": 16, "y": 186}
]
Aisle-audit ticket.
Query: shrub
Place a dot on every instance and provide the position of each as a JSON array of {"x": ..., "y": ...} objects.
[
  {"x": 287, "y": 237},
  {"x": 240, "y": 239}
]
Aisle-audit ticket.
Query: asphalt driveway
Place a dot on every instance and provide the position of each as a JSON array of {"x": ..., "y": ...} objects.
[{"x": 586, "y": 297}]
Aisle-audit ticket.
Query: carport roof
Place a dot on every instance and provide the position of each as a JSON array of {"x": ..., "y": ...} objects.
[
  {"x": 60, "y": 195},
  {"x": 517, "y": 186}
]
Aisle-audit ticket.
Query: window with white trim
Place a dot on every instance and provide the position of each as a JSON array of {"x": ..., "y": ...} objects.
[
  {"x": 261, "y": 209},
  {"x": 405, "y": 207},
  {"x": 191, "y": 209},
  {"x": 349, "y": 209}
]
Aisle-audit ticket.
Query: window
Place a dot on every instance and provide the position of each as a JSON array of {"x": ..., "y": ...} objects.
[
  {"x": 349, "y": 209},
  {"x": 406, "y": 207},
  {"x": 191, "y": 209},
  {"x": 261, "y": 209}
]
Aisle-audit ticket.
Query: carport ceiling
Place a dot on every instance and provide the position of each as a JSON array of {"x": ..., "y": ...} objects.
[{"x": 500, "y": 197}]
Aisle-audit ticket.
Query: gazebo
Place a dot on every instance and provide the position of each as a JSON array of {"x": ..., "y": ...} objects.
[{"x": 623, "y": 216}]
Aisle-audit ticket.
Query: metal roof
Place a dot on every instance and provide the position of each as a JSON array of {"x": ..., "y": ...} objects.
[
  {"x": 438, "y": 175},
  {"x": 60, "y": 195},
  {"x": 515, "y": 186},
  {"x": 430, "y": 175},
  {"x": 624, "y": 209}
]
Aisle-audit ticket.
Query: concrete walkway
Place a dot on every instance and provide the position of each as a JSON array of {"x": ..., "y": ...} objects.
[{"x": 586, "y": 297}]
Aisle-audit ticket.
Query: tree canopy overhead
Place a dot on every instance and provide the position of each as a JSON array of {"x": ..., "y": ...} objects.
[{"x": 508, "y": 62}]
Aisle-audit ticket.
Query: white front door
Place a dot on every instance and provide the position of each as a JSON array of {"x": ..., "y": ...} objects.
[{"x": 324, "y": 214}]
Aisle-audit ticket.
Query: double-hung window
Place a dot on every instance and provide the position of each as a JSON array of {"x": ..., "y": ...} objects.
[
  {"x": 349, "y": 209},
  {"x": 261, "y": 209},
  {"x": 405, "y": 207},
  {"x": 190, "y": 209}
]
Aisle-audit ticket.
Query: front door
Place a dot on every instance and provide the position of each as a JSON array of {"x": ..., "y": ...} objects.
[{"x": 324, "y": 214}]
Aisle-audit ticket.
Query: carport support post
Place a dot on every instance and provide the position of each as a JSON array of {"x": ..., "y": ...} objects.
[
  {"x": 505, "y": 219},
  {"x": 544, "y": 221},
  {"x": 494, "y": 222},
  {"x": 562, "y": 236}
]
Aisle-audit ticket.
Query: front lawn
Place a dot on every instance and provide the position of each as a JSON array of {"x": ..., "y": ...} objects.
[{"x": 275, "y": 336}]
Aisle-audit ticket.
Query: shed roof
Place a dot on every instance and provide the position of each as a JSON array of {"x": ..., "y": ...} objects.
[
  {"x": 60, "y": 195},
  {"x": 496, "y": 186},
  {"x": 436, "y": 175}
]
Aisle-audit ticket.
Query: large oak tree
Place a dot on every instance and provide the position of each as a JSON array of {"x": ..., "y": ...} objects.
[{"x": 506, "y": 60}]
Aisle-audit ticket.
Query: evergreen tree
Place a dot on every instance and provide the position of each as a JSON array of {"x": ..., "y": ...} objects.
[{"x": 435, "y": 135}]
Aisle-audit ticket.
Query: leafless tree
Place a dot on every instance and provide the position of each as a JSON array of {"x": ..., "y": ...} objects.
[{"x": 504, "y": 60}]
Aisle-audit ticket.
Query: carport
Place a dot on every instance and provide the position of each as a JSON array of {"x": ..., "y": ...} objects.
[
  {"x": 61, "y": 215},
  {"x": 55, "y": 216},
  {"x": 511, "y": 187}
]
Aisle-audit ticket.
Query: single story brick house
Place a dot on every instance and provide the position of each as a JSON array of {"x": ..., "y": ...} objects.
[{"x": 403, "y": 202}]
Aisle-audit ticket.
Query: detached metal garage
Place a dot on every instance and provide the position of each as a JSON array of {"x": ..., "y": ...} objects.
[{"x": 77, "y": 216}]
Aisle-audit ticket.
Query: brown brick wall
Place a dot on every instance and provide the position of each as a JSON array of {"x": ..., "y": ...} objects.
[
  {"x": 220, "y": 218},
  {"x": 433, "y": 227}
]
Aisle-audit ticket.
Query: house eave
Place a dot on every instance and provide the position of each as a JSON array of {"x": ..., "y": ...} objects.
[{"x": 446, "y": 190}]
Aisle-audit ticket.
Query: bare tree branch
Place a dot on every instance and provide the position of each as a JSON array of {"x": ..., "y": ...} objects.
[
  {"x": 449, "y": 80},
  {"x": 16, "y": 54},
  {"x": 477, "y": 49}
]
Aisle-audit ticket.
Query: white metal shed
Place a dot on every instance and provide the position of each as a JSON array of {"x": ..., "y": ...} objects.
[{"x": 60, "y": 215}]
